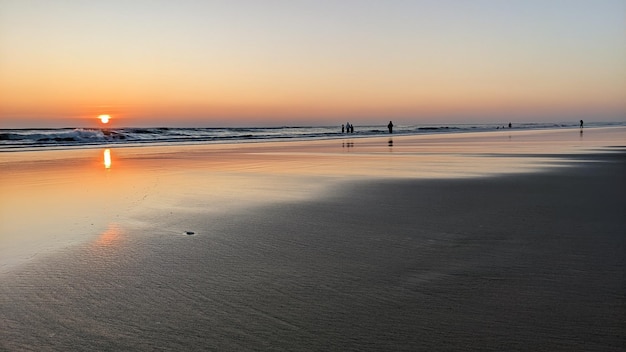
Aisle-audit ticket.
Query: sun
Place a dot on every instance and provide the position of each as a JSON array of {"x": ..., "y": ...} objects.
[{"x": 104, "y": 118}]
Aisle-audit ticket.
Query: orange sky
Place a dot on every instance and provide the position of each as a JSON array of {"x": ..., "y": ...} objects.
[{"x": 240, "y": 63}]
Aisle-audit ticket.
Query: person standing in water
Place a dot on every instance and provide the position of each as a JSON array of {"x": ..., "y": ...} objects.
[
  {"x": 390, "y": 127},
  {"x": 581, "y": 124}
]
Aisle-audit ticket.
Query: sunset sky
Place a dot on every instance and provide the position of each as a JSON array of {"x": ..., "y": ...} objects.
[{"x": 257, "y": 63}]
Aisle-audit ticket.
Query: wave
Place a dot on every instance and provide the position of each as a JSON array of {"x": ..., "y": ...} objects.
[
  {"x": 15, "y": 139},
  {"x": 59, "y": 135}
]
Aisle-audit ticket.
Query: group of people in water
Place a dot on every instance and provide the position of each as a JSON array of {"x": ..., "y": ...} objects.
[{"x": 349, "y": 128}]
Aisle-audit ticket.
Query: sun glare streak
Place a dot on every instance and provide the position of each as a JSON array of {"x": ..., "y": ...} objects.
[{"x": 107, "y": 158}]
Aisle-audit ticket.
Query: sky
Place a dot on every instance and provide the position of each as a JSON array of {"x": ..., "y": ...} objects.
[{"x": 264, "y": 62}]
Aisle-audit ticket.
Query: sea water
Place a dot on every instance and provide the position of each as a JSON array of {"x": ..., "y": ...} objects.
[{"x": 16, "y": 139}]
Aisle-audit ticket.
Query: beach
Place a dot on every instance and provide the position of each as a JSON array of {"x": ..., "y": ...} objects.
[{"x": 508, "y": 240}]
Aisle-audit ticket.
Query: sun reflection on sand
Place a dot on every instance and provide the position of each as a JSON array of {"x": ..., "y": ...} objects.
[
  {"x": 109, "y": 238},
  {"x": 107, "y": 158}
]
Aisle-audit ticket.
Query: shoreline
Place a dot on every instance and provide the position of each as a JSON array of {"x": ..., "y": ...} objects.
[{"x": 330, "y": 136}]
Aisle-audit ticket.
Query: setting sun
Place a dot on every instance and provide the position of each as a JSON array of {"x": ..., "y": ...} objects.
[{"x": 104, "y": 118}]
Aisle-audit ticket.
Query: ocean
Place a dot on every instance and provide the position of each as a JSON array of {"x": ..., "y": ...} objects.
[{"x": 19, "y": 139}]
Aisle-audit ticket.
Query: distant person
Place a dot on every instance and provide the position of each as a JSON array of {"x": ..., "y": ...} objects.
[
  {"x": 351, "y": 128},
  {"x": 581, "y": 124},
  {"x": 510, "y": 125},
  {"x": 390, "y": 127},
  {"x": 343, "y": 128}
]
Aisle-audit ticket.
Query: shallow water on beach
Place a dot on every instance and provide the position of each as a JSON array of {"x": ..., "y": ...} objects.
[
  {"x": 309, "y": 246},
  {"x": 55, "y": 198},
  {"x": 72, "y": 196}
]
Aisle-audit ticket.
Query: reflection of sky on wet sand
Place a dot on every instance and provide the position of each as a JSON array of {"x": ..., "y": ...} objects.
[{"x": 52, "y": 199}]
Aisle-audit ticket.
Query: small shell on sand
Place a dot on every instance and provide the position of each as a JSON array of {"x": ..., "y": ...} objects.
[{"x": 189, "y": 233}]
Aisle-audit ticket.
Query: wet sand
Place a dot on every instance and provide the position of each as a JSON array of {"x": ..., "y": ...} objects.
[{"x": 469, "y": 243}]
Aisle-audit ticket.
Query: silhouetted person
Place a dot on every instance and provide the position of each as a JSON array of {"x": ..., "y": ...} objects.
[
  {"x": 390, "y": 127},
  {"x": 510, "y": 125},
  {"x": 351, "y": 128},
  {"x": 342, "y": 128},
  {"x": 581, "y": 124}
]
